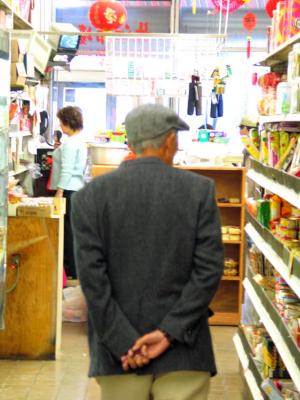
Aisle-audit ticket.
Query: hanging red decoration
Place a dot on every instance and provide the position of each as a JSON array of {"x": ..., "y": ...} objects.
[
  {"x": 270, "y": 7},
  {"x": 249, "y": 21},
  {"x": 107, "y": 15},
  {"x": 233, "y": 5}
]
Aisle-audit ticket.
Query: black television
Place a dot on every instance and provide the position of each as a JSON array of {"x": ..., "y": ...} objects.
[{"x": 68, "y": 44}]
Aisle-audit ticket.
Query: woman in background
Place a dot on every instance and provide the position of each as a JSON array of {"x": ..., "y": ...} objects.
[{"x": 69, "y": 161}]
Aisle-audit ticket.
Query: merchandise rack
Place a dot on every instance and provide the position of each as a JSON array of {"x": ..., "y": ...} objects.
[
  {"x": 229, "y": 182},
  {"x": 269, "y": 119},
  {"x": 251, "y": 373},
  {"x": 278, "y": 182},
  {"x": 4, "y": 112},
  {"x": 287, "y": 187},
  {"x": 275, "y": 252},
  {"x": 18, "y": 21},
  {"x": 290, "y": 354},
  {"x": 279, "y": 55}
]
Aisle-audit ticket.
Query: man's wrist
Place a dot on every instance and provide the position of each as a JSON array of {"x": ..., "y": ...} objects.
[{"x": 170, "y": 339}]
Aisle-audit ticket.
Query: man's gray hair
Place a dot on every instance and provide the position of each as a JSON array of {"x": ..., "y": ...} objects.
[{"x": 154, "y": 143}]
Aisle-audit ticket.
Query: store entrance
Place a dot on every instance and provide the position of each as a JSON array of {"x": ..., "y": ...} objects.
[{"x": 90, "y": 97}]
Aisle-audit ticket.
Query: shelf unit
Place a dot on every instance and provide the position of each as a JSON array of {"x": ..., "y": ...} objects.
[
  {"x": 4, "y": 125},
  {"x": 18, "y": 21},
  {"x": 287, "y": 187},
  {"x": 275, "y": 252},
  {"x": 269, "y": 119},
  {"x": 288, "y": 351},
  {"x": 229, "y": 183},
  {"x": 251, "y": 373},
  {"x": 280, "y": 55}
]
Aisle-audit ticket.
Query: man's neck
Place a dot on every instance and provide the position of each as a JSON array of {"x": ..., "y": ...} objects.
[{"x": 153, "y": 153}]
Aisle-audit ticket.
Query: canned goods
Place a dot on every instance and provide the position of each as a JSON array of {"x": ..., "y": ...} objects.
[
  {"x": 263, "y": 212},
  {"x": 290, "y": 223},
  {"x": 295, "y": 212},
  {"x": 292, "y": 244},
  {"x": 289, "y": 234}
]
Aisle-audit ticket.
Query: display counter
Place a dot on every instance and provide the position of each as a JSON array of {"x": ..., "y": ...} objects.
[
  {"x": 34, "y": 284},
  {"x": 230, "y": 185}
]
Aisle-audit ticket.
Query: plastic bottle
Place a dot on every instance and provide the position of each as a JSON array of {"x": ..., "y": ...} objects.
[{"x": 283, "y": 97}]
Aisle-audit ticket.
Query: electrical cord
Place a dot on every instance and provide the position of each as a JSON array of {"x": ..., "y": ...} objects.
[{"x": 16, "y": 263}]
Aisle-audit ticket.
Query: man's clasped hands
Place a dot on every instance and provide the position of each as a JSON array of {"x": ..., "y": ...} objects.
[{"x": 145, "y": 349}]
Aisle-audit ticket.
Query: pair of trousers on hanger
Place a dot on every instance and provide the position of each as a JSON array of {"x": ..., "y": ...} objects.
[
  {"x": 216, "y": 108},
  {"x": 195, "y": 98}
]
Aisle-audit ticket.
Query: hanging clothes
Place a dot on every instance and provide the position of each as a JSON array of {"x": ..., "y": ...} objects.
[
  {"x": 195, "y": 96},
  {"x": 216, "y": 107}
]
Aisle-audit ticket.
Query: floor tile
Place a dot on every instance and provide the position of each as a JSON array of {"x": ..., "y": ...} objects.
[{"x": 66, "y": 378}]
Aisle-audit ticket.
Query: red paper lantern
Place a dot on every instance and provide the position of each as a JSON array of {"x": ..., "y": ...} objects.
[
  {"x": 107, "y": 15},
  {"x": 233, "y": 5},
  {"x": 270, "y": 7},
  {"x": 249, "y": 21}
]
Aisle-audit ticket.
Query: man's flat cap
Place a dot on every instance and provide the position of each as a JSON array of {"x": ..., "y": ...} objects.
[{"x": 150, "y": 121}]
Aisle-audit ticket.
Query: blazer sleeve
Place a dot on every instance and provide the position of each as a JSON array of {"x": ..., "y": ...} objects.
[
  {"x": 110, "y": 323},
  {"x": 183, "y": 320}
]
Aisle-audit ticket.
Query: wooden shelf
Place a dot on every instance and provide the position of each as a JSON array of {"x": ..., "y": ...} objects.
[
  {"x": 280, "y": 55},
  {"x": 229, "y": 183},
  {"x": 290, "y": 359},
  {"x": 230, "y": 278},
  {"x": 225, "y": 318},
  {"x": 230, "y": 205},
  {"x": 265, "y": 119},
  {"x": 209, "y": 168},
  {"x": 21, "y": 23},
  {"x": 4, "y": 6}
]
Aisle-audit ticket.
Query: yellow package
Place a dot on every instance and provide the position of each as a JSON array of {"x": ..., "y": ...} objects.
[{"x": 250, "y": 147}]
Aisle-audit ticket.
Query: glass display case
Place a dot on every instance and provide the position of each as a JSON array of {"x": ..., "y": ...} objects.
[{"x": 4, "y": 122}]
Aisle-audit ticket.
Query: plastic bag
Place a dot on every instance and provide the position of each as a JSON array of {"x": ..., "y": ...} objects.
[{"x": 74, "y": 307}]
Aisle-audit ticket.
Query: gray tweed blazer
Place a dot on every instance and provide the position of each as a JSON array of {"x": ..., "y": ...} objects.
[{"x": 149, "y": 255}]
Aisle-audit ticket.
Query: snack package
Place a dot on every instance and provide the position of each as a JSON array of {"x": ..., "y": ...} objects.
[
  {"x": 273, "y": 148},
  {"x": 250, "y": 147},
  {"x": 263, "y": 156}
]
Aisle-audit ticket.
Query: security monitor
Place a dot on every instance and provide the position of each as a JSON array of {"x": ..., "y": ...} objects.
[{"x": 67, "y": 40}]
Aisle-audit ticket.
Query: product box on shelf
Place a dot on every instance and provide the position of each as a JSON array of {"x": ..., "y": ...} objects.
[
  {"x": 17, "y": 55},
  {"x": 29, "y": 65},
  {"x": 2, "y": 19},
  {"x": 25, "y": 8},
  {"x": 17, "y": 74}
]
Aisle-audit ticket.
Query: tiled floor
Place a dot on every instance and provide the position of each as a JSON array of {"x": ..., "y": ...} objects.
[{"x": 66, "y": 379}]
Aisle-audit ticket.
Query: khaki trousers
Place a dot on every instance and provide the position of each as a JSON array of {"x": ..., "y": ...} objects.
[{"x": 182, "y": 385}]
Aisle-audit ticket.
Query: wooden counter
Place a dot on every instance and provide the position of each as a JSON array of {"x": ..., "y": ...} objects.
[
  {"x": 229, "y": 183},
  {"x": 33, "y": 308}
]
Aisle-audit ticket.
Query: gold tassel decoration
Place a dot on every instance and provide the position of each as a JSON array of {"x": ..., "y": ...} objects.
[{"x": 194, "y": 7}]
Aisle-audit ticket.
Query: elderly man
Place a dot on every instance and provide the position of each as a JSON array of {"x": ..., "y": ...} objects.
[{"x": 149, "y": 257}]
